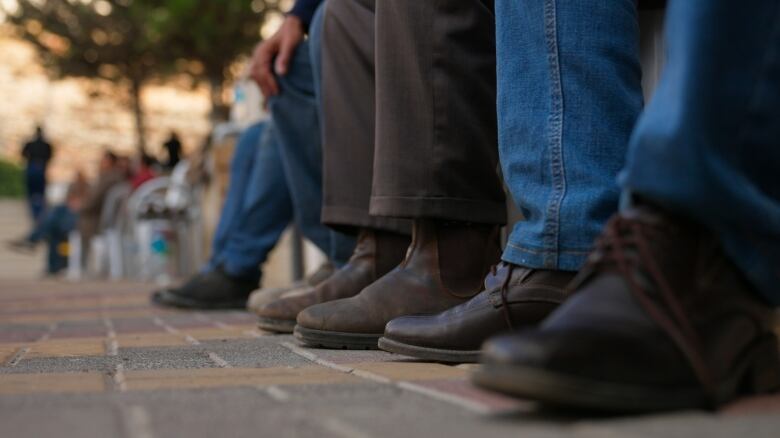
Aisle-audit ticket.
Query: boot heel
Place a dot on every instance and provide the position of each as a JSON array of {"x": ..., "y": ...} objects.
[{"x": 763, "y": 374}]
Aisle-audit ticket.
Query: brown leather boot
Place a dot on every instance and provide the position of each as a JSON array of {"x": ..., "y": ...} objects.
[
  {"x": 514, "y": 298},
  {"x": 263, "y": 296},
  {"x": 377, "y": 252},
  {"x": 444, "y": 267},
  {"x": 660, "y": 319}
]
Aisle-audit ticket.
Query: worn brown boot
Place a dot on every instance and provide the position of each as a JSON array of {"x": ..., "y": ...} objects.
[
  {"x": 264, "y": 296},
  {"x": 659, "y": 319},
  {"x": 444, "y": 267},
  {"x": 377, "y": 252},
  {"x": 514, "y": 298}
]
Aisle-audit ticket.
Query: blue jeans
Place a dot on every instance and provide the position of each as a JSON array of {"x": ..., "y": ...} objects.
[
  {"x": 276, "y": 179},
  {"x": 569, "y": 94},
  {"x": 257, "y": 207},
  {"x": 35, "y": 183},
  {"x": 708, "y": 144},
  {"x": 54, "y": 227}
]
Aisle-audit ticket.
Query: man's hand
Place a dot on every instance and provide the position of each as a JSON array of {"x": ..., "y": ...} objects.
[{"x": 280, "y": 46}]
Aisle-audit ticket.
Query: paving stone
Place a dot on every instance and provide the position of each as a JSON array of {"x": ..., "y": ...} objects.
[
  {"x": 13, "y": 333},
  {"x": 184, "y": 321},
  {"x": 357, "y": 356},
  {"x": 45, "y": 318},
  {"x": 51, "y": 383},
  {"x": 216, "y": 334},
  {"x": 79, "y": 329},
  {"x": 103, "y": 364},
  {"x": 410, "y": 371},
  {"x": 214, "y": 374},
  {"x": 150, "y": 340},
  {"x": 62, "y": 421},
  {"x": 263, "y": 352},
  {"x": 184, "y": 358},
  {"x": 226, "y": 377},
  {"x": 7, "y": 351},
  {"x": 68, "y": 348},
  {"x": 136, "y": 325}
]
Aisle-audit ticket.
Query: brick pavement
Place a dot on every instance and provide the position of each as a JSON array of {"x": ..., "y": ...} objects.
[{"x": 95, "y": 359}]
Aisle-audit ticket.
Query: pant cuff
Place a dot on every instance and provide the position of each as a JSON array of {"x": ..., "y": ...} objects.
[
  {"x": 348, "y": 220},
  {"x": 455, "y": 209},
  {"x": 564, "y": 260}
]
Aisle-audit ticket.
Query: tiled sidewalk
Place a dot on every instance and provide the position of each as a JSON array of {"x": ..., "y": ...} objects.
[{"x": 95, "y": 359}]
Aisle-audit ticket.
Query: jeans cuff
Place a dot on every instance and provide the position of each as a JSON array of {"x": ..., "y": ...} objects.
[{"x": 564, "y": 260}]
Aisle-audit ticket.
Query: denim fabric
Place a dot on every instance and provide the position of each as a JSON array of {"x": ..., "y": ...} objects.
[
  {"x": 240, "y": 170},
  {"x": 35, "y": 183},
  {"x": 258, "y": 206},
  {"x": 54, "y": 227},
  {"x": 295, "y": 118},
  {"x": 569, "y": 87},
  {"x": 708, "y": 144},
  {"x": 276, "y": 178}
]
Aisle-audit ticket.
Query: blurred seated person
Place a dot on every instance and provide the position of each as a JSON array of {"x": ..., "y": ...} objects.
[
  {"x": 275, "y": 181},
  {"x": 113, "y": 170},
  {"x": 258, "y": 208},
  {"x": 55, "y": 226},
  {"x": 143, "y": 172}
]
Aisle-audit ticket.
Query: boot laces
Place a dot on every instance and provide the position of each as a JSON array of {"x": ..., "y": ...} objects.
[
  {"x": 504, "y": 291},
  {"x": 624, "y": 247}
]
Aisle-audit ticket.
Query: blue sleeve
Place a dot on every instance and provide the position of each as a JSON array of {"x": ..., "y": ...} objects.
[{"x": 304, "y": 9}]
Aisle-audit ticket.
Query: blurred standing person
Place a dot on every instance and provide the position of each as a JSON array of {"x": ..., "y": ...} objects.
[
  {"x": 37, "y": 153},
  {"x": 173, "y": 148}
]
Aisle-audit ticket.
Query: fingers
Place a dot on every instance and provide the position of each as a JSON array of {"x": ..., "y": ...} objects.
[
  {"x": 260, "y": 70},
  {"x": 286, "y": 50}
]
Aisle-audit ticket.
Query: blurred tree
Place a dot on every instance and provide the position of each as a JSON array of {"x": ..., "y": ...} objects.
[
  {"x": 134, "y": 42},
  {"x": 211, "y": 35}
]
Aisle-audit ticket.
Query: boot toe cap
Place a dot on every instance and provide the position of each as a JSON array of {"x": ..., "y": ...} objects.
[
  {"x": 261, "y": 297},
  {"x": 276, "y": 309},
  {"x": 344, "y": 315},
  {"x": 621, "y": 357},
  {"x": 410, "y": 329}
]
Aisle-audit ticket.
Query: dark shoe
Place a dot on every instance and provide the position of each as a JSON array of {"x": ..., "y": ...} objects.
[
  {"x": 208, "y": 291},
  {"x": 514, "y": 297},
  {"x": 660, "y": 320},
  {"x": 376, "y": 253},
  {"x": 264, "y": 296},
  {"x": 445, "y": 266}
]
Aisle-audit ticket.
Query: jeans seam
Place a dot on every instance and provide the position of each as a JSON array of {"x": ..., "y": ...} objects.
[
  {"x": 555, "y": 140},
  {"x": 544, "y": 251}
]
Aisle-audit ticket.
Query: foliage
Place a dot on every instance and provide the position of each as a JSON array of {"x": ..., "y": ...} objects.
[
  {"x": 133, "y": 42},
  {"x": 11, "y": 180}
]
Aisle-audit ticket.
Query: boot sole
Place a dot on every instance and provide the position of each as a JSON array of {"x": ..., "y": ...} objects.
[
  {"x": 430, "y": 354},
  {"x": 187, "y": 303},
  {"x": 276, "y": 325},
  {"x": 336, "y": 340},
  {"x": 757, "y": 373}
]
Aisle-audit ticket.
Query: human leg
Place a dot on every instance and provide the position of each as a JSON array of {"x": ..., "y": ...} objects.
[{"x": 666, "y": 315}]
